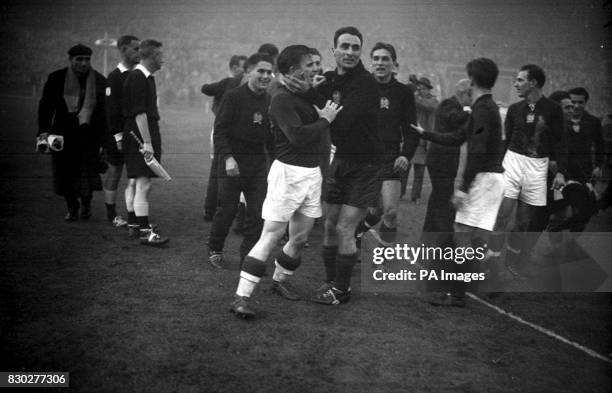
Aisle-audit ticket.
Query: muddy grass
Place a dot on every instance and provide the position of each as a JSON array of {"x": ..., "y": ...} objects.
[{"x": 81, "y": 297}]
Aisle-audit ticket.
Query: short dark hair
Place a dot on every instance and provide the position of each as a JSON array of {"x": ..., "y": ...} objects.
[
  {"x": 292, "y": 56},
  {"x": 236, "y": 59},
  {"x": 125, "y": 40},
  {"x": 347, "y": 30},
  {"x": 558, "y": 96},
  {"x": 535, "y": 72},
  {"x": 270, "y": 49},
  {"x": 315, "y": 51},
  {"x": 257, "y": 57},
  {"x": 147, "y": 48},
  {"x": 579, "y": 91},
  {"x": 388, "y": 47},
  {"x": 483, "y": 72}
]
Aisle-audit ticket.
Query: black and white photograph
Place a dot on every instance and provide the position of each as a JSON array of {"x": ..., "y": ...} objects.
[{"x": 206, "y": 196}]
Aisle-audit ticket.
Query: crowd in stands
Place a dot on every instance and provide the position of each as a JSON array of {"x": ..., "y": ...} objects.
[{"x": 199, "y": 44}]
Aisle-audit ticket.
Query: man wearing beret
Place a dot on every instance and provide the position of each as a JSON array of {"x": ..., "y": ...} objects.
[{"x": 71, "y": 117}]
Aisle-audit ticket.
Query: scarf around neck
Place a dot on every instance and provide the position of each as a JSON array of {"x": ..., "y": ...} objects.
[{"x": 72, "y": 92}]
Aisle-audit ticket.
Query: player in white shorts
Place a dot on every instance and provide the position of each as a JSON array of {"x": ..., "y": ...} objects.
[
  {"x": 536, "y": 144},
  {"x": 481, "y": 190},
  {"x": 294, "y": 181},
  {"x": 525, "y": 178},
  {"x": 482, "y": 201}
]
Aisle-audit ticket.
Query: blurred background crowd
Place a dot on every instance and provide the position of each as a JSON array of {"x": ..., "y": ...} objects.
[{"x": 567, "y": 38}]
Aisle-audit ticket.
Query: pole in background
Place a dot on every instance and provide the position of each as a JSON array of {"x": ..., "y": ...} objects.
[{"x": 106, "y": 43}]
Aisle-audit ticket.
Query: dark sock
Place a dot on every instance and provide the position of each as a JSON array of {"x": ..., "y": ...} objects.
[
  {"x": 143, "y": 221},
  {"x": 371, "y": 220},
  {"x": 329, "y": 260},
  {"x": 111, "y": 213},
  {"x": 344, "y": 269},
  {"x": 513, "y": 257},
  {"x": 72, "y": 204},
  {"x": 368, "y": 222},
  {"x": 131, "y": 218},
  {"x": 496, "y": 241},
  {"x": 386, "y": 233},
  {"x": 86, "y": 202}
]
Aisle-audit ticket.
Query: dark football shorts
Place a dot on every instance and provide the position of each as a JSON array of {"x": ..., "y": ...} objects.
[
  {"x": 135, "y": 165},
  {"x": 353, "y": 183},
  {"x": 387, "y": 171},
  {"x": 111, "y": 154}
]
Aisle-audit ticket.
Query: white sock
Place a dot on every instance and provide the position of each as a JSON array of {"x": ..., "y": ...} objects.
[
  {"x": 141, "y": 209},
  {"x": 247, "y": 284},
  {"x": 280, "y": 273}
]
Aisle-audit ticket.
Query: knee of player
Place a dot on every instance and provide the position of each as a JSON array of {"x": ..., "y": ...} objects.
[
  {"x": 345, "y": 231},
  {"x": 112, "y": 183},
  {"x": 299, "y": 239},
  {"x": 143, "y": 184},
  {"x": 271, "y": 238},
  {"x": 390, "y": 214}
]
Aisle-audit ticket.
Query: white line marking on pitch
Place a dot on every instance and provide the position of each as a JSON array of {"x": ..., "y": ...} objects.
[{"x": 540, "y": 329}]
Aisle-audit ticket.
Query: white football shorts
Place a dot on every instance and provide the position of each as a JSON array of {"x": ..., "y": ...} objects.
[
  {"x": 292, "y": 189},
  {"x": 483, "y": 201},
  {"x": 525, "y": 178}
]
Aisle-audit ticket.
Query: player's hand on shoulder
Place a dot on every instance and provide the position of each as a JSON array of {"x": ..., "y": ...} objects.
[
  {"x": 329, "y": 111},
  {"x": 231, "y": 166}
]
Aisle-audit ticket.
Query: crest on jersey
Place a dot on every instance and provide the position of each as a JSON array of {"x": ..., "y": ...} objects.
[
  {"x": 108, "y": 91},
  {"x": 257, "y": 118},
  {"x": 336, "y": 97},
  {"x": 384, "y": 103}
]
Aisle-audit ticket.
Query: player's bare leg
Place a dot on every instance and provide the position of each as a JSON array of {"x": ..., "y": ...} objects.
[
  {"x": 129, "y": 194},
  {"x": 390, "y": 195},
  {"x": 498, "y": 237},
  {"x": 111, "y": 182},
  {"x": 272, "y": 232},
  {"x": 346, "y": 222},
  {"x": 286, "y": 262},
  {"x": 330, "y": 242},
  {"x": 141, "y": 209}
]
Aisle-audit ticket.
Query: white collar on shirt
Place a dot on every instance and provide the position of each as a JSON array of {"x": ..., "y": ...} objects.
[
  {"x": 143, "y": 69},
  {"x": 122, "y": 68}
]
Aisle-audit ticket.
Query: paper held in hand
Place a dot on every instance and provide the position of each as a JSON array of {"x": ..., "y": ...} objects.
[{"x": 152, "y": 163}]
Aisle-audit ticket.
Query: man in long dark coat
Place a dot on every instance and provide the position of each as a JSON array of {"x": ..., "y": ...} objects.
[{"x": 71, "y": 116}]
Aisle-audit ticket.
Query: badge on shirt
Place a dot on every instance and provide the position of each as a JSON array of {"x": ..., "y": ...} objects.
[
  {"x": 108, "y": 91},
  {"x": 336, "y": 97},
  {"x": 384, "y": 103},
  {"x": 257, "y": 118},
  {"x": 576, "y": 127},
  {"x": 530, "y": 117}
]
